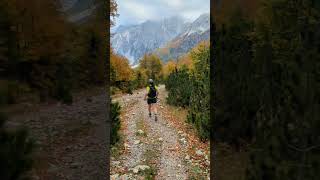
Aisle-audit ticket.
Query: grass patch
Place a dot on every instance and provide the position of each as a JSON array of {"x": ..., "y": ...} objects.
[
  {"x": 178, "y": 112},
  {"x": 141, "y": 126},
  {"x": 117, "y": 149},
  {"x": 149, "y": 174},
  {"x": 195, "y": 173},
  {"x": 144, "y": 134}
]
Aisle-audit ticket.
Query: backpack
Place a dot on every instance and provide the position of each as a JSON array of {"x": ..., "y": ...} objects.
[{"x": 152, "y": 92}]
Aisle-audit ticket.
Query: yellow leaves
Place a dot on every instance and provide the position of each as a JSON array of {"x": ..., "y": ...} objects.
[
  {"x": 152, "y": 64},
  {"x": 169, "y": 68},
  {"x": 200, "y": 46},
  {"x": 185, "y": 61},
  {"x": 39, "y": 27},
  {"x": 120, "y": 66}
]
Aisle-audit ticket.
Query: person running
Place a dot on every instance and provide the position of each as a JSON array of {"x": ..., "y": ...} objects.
[{"x": 151, "y": 97}]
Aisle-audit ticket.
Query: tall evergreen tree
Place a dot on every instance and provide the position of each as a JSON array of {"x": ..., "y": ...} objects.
[{"x": 286, "y": 42}]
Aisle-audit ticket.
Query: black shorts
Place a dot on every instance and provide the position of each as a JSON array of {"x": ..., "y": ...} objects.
[{"x": 151, "y": 101}]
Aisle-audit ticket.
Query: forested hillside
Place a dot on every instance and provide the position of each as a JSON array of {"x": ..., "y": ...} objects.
[
  {"x": 266, "y": 88},
  {"x": 45, "y": 56}
]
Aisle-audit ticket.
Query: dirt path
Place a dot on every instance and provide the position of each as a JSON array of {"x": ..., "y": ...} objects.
[
  {"x": 71, "y": 139},
  {"x": 153, "y": 149}
]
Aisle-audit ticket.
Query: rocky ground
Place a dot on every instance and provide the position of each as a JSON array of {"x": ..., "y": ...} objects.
[
  {"x": 71, "y": 138},
  {"x": 163, "y": 149}
]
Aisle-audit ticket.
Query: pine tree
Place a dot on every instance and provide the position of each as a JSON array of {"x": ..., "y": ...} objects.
[
  {"x": 235, "y": 96},
  {"x": 199, "y": 103},
  {"x": 287, "y": 56}
]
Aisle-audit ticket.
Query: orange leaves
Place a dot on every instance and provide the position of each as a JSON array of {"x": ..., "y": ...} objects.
[
  {"x": 202, "y": 44},
  {"x": 176, "y": 118},
  {"x": 185, "y": 61},
  {"x": 121, "y": 68},
  {"x": 169, "y": 68},
  {"x": 40, "y": 28}
]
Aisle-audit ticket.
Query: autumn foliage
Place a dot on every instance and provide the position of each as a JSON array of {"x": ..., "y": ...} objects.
[
  {"x": 47, "y": 54},
  {"x": 188, "y": 86},
  {"x": 120, "y": 69}
]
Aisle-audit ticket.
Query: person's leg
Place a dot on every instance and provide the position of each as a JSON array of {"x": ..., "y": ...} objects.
[
  {"x": 155, "y": 111},
  {"x": 149, "y": 108}
]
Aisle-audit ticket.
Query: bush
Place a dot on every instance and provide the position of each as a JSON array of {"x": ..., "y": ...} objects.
[
  {"x": 115, "y": 122},
  {"x": 114, "y": 90},
  {"x": 267, "y": 89},
  {"x": 288, "y": 123},
  {"x": 235, "y": 96},
  {"x": 16, "y": 152},
  {"x": 179, "y": 88},
  {"x": 191, "y": 88},
  {"x": 199, "y": 105}
]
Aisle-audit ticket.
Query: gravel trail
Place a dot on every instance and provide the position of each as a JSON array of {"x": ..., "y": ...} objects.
[
  {"x": 161, "y": 141},
  {"x": 71, "y": 138}
]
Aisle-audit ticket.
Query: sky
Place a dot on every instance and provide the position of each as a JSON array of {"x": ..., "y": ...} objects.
[{"x": 137, "y": 11}]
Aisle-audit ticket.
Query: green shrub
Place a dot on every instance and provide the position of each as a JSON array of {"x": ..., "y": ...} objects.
[
  {"x": 115, "y": 123},
  {"x": 267, "y": 89},
  {"x": 191, "y": 88},
  {"x": 235, "y": 97},
  {"x": 179, "y": 88},
  {"x": 288, "y": 123},
  {"x": 199, "y": 105},
  {"x": 16, "y": 152}
]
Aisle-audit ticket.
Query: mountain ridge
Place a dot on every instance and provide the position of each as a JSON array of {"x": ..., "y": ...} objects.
[
  {"x": 196, "y": 32},
  {"x": 136, "y": 40}
]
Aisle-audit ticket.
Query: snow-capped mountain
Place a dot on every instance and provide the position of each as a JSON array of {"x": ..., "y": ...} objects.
[
  {"x": 197, "y": 31},
  {"x": 135, "y": 41},
  {"x": 200, "y": 25}
]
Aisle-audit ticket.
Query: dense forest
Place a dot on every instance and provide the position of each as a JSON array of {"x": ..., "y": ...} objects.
[
  {"x": 43, "y": 57},
  {"x": 266, "y": 86}
]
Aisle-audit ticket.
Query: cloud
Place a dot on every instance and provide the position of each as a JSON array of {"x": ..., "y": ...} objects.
[{"x": 138, "y": 11}]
